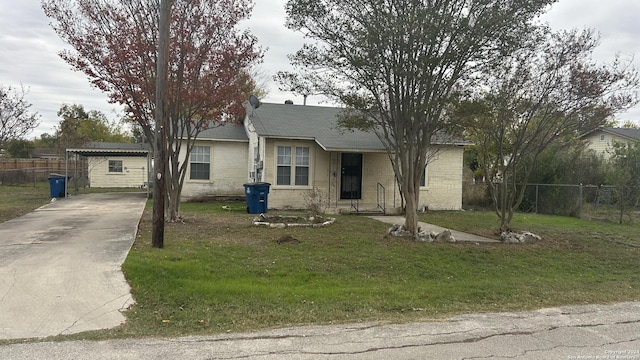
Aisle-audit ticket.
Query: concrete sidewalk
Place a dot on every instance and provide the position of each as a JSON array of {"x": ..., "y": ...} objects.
[
  {"x": 458, "y": 235},
  {"x": 60, "y": 265}
]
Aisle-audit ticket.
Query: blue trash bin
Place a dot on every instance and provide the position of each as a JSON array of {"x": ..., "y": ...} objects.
[
  {"x": 257, "y": 195},
  {"x": 57, "y": 185}
]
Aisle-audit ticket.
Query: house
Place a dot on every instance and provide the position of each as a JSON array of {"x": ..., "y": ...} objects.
[
  {"x": 601, "y": 139},
  {"x": 299, "y": 148},
  {"x": 114, "y": 164},
  {"x": 47, "y": 153}
]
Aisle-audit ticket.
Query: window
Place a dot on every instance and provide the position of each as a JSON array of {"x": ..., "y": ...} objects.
[
  {"x": 286, "y": 168},
  {"x": 283, "y": 176},
  {"x": 423, "y": 179},
  {"x": 602, "y": 137},
  {"x": 200, "y": 163},
  {"x": 302, "y": 166},
  {"x": 115, "y": 166}
]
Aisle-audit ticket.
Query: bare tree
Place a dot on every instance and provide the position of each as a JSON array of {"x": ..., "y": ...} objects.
[
  {"x": 16, "y": 120},
  {"x": 541, "y": 93},
  {"x": 400, "y": 64}
]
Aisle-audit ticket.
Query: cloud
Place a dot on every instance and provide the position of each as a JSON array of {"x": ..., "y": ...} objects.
[
  {"x": 29, "y": 57},
  {"x": 268, "y": 25}
]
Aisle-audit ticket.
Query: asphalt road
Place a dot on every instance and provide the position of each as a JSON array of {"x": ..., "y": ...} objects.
[
  {"x": 581, "y": 332},
  {"x": 60, "y": 265}
]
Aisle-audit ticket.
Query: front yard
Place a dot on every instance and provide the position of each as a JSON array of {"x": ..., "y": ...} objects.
[{"x": 219, "y": 273}]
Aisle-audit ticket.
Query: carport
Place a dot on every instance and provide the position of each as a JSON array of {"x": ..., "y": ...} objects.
[{"x": 111, "y": 150}]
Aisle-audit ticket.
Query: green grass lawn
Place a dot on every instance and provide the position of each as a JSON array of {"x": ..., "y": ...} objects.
[
  {"x": 17, "y": 200},
  {"x": 219, "y": 273}
]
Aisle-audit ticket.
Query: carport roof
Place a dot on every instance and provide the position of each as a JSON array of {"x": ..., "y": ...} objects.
[{"x": 112, "y": 149}]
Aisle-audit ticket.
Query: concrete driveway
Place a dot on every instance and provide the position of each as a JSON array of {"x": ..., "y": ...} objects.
[{"x": 60, "y": 265}]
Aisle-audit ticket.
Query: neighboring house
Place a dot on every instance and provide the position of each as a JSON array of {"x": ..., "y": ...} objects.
[
  {"x": 298, "y": 148},
  {"x": 601, "y": 139},
  {"x": 115, "y": 164},
  {"x": 218, "y": 163},
  {"x": 46, "y": 153}
]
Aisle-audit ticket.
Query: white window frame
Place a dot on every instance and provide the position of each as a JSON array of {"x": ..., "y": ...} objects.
[
  {"x": 295, "y": 161},
  {"x": 109, "y": 167},
  {"x": 198, "y": 157},
  {"x": 425, "y": 175}
]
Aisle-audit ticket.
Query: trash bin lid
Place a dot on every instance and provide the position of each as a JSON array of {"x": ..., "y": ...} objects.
[{"x": 257, "y": 184}]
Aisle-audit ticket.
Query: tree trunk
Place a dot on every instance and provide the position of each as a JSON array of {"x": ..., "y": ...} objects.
[
  {"x": 173, "y": 210},
  {"x": 411, "y": 196},
  {"x": 411, "y": 221}
]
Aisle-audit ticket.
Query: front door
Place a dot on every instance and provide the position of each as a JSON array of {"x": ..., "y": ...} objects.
[{"x": 351, "y": 180}]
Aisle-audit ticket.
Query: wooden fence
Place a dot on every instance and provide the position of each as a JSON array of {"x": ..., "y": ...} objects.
[{"x": 24, "y": 171}]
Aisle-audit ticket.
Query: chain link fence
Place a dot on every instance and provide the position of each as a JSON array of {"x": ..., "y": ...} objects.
[{"x": 581, "y": 201}]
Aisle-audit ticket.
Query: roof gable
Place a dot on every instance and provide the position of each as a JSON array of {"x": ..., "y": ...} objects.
[{"x": 312, "y": 123}]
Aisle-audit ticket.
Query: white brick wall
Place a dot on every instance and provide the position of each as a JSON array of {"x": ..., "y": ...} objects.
[
  {"x": 443, "y": 190},
  {"x": 134, "y": 172},
  {"x": 228, "y": 171}
]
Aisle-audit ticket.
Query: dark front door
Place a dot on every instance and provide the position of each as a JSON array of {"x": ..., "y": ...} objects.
[{"x": 351, "y": 180}]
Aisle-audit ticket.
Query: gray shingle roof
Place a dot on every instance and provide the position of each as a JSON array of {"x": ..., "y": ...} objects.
[
  {"x": 632, "y": 134},
  {"x": 318, "y": 123},
  {"x": 230, "y": 132},
  {"x": 313, "y": 123}
]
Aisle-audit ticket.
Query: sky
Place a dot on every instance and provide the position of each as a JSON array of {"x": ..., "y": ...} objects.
[{"x": 29, "y": 52}]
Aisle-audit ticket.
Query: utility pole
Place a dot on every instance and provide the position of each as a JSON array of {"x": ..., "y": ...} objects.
[{"x": 160, "y": 146}]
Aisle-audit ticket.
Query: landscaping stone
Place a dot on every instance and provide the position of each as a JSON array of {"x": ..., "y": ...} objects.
[
  {"x": 445, "y": 236},
  {"x": 423, "y": 236},
  {"x": 280, "y": 221},
  {"x": 511, "y": 237}
]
